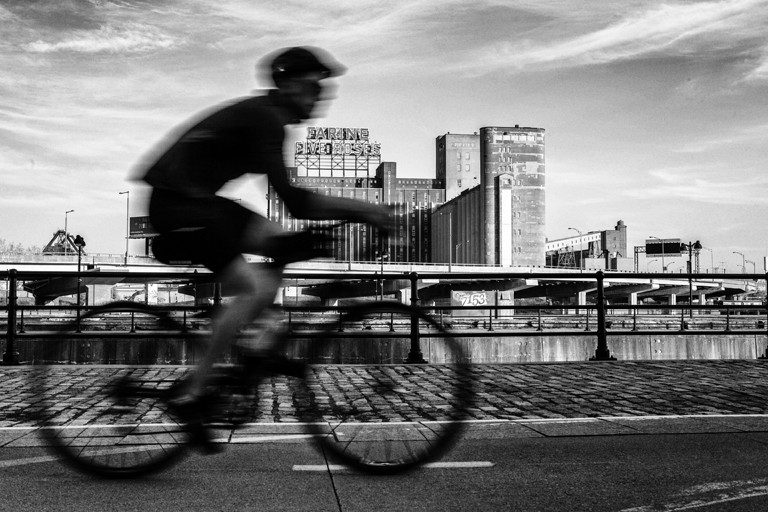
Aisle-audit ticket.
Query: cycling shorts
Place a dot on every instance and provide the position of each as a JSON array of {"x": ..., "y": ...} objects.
[{"x": 197, "y": 230}]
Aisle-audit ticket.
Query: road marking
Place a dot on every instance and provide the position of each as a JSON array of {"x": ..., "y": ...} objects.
[
  {"x": 28, "y": 460},
  {"x": 452, "y": 465},
  {"x": 424, "y": 422},
  {"x": 269, "y": 438},
  {"x": 92, "y": 453},
  {"x": 430, "y": 465},
  {"x": 710, "y": 494}
]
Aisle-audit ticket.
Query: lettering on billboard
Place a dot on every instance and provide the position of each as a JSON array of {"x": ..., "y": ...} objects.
[{"x": 338, "y": 141}]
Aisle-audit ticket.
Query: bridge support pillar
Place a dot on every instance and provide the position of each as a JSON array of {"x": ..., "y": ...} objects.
[
  {"x": 633, "y": 299},
  {"x": 581, "y": 300},
  {"x": 505, "y": 298},
  {"x": 404, "y": 295}
]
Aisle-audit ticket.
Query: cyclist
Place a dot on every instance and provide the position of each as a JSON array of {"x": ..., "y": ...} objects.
[{"x": 195, "y": 224}]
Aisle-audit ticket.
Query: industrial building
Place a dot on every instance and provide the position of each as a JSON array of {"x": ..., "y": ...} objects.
[
  {"x": 499, "y": 220},
  {"x": 596, "y": 249},
  {"x": 485, "y": 206},
  {"x": 341, "y": 162}
]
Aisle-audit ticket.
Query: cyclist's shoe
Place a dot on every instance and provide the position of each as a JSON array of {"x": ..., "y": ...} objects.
[{"x": 191, "y": 411}]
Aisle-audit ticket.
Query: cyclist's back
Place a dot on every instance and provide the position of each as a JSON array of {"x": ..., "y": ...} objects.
[{"x": 245, "y": 137}]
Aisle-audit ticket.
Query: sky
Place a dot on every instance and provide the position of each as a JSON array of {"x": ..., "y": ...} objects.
[{"x": 655, "y": 112}]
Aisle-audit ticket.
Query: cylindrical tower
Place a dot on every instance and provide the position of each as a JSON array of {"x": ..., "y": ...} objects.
[{"x": 512, "y": 184}]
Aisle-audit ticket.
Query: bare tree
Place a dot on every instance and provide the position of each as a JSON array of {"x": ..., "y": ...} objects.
[{"x": 7, "y": 247}]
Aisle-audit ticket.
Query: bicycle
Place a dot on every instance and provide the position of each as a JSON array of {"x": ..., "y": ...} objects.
[{"x": 114, "y": 420}]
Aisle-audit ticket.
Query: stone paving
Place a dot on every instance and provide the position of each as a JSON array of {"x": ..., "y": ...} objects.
[{"x": 519, "y": 391}]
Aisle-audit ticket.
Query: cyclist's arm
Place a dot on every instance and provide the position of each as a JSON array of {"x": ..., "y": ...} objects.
[{"x": 305, "y": 204}]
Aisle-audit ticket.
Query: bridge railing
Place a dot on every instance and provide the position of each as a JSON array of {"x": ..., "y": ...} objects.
[{"x": 599, "y": 318}]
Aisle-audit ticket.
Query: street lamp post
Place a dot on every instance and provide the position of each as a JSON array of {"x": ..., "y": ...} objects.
[
  {"x": 381, "y": 255},
  {"x": 456, "y": 250},
  {"x": 754, "y": 267},
  {"x": 79, "y": 243},
  {"x": 581, "y": 249},
  {"x": 691, "y": 247},
  {"x": 743, "y": 262},
  {"x": 648, "y": 262},
  {"x": 450, "y": 237},
  {"x": 127, "y": 221},
  {"x": 66, "y": 230}
]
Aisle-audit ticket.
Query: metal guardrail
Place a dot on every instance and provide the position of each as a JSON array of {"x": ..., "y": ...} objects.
[{"x": 602, "y": 325}]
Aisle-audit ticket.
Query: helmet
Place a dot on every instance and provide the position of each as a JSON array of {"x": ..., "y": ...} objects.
[{"x": 290, "y": 62}]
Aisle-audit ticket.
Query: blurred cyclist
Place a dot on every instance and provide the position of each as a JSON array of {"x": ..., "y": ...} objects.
[{"x": 197, "y": 225}]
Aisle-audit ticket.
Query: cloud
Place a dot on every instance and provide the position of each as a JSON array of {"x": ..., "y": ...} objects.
[
  {"x": 131, "y": 38},
  {"x": 703, "y": 185},
  {"x": 750, "y": 135},
  {"x": 676, "y": 29},
  {"x": 760, "y": 71}
]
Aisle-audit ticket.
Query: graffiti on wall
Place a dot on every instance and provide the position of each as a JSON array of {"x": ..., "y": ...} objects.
[{"x": 468, "y": 298}]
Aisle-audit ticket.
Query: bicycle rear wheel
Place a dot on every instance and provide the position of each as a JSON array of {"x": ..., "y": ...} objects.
[
  {"x": 368, "y": 408},
  {"x": 102, "y": 385}
]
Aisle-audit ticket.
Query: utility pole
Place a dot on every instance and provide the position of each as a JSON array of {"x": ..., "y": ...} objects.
[
  {"x": 127, "y": 221},
  {"x": 66, "y": 230}
]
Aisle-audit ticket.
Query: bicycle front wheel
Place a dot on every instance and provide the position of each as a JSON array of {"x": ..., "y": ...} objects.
[
  {"x": 372, "y": 410},
  {"x": 102, "y": 384}
]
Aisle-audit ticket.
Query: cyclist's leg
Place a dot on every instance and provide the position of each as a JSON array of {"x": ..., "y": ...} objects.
[{"x": 255, "y": 286}]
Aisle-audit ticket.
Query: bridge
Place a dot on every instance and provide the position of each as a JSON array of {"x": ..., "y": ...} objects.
[{"x": 436, "y": 281}]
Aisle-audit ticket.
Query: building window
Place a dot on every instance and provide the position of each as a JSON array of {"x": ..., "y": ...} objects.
[
  {"x": 466, "y": 167},
  {"x": 458, "y": 167},
  {"x": 466, "y": 155},
  {"x": 458, "y": 182}
]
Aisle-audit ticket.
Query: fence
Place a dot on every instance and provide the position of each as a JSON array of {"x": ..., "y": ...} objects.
[{"x": 597, "y": 320}]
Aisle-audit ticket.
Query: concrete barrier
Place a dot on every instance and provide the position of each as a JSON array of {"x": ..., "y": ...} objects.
[{"x": 146, "y": 349}]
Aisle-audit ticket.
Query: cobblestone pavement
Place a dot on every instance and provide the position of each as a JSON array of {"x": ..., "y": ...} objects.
[{"x": 519, "y": 391}]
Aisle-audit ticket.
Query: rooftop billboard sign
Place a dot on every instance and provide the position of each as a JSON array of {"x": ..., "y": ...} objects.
[
  {"x": 338, "y": 141},
  {"x": 665, "y": 246}
]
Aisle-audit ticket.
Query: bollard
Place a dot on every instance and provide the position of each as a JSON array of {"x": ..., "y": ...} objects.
[
  {"x": 415, "y": 355},
  {"x": 587, "y": 322},
  {"x": 11, "y": 356},
  {"x": 765, "y": 354},
  {"x": 601, "y": 353}
]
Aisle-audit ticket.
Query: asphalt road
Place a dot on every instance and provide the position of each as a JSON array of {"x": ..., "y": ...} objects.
[{"x": 508, "y": 471}]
